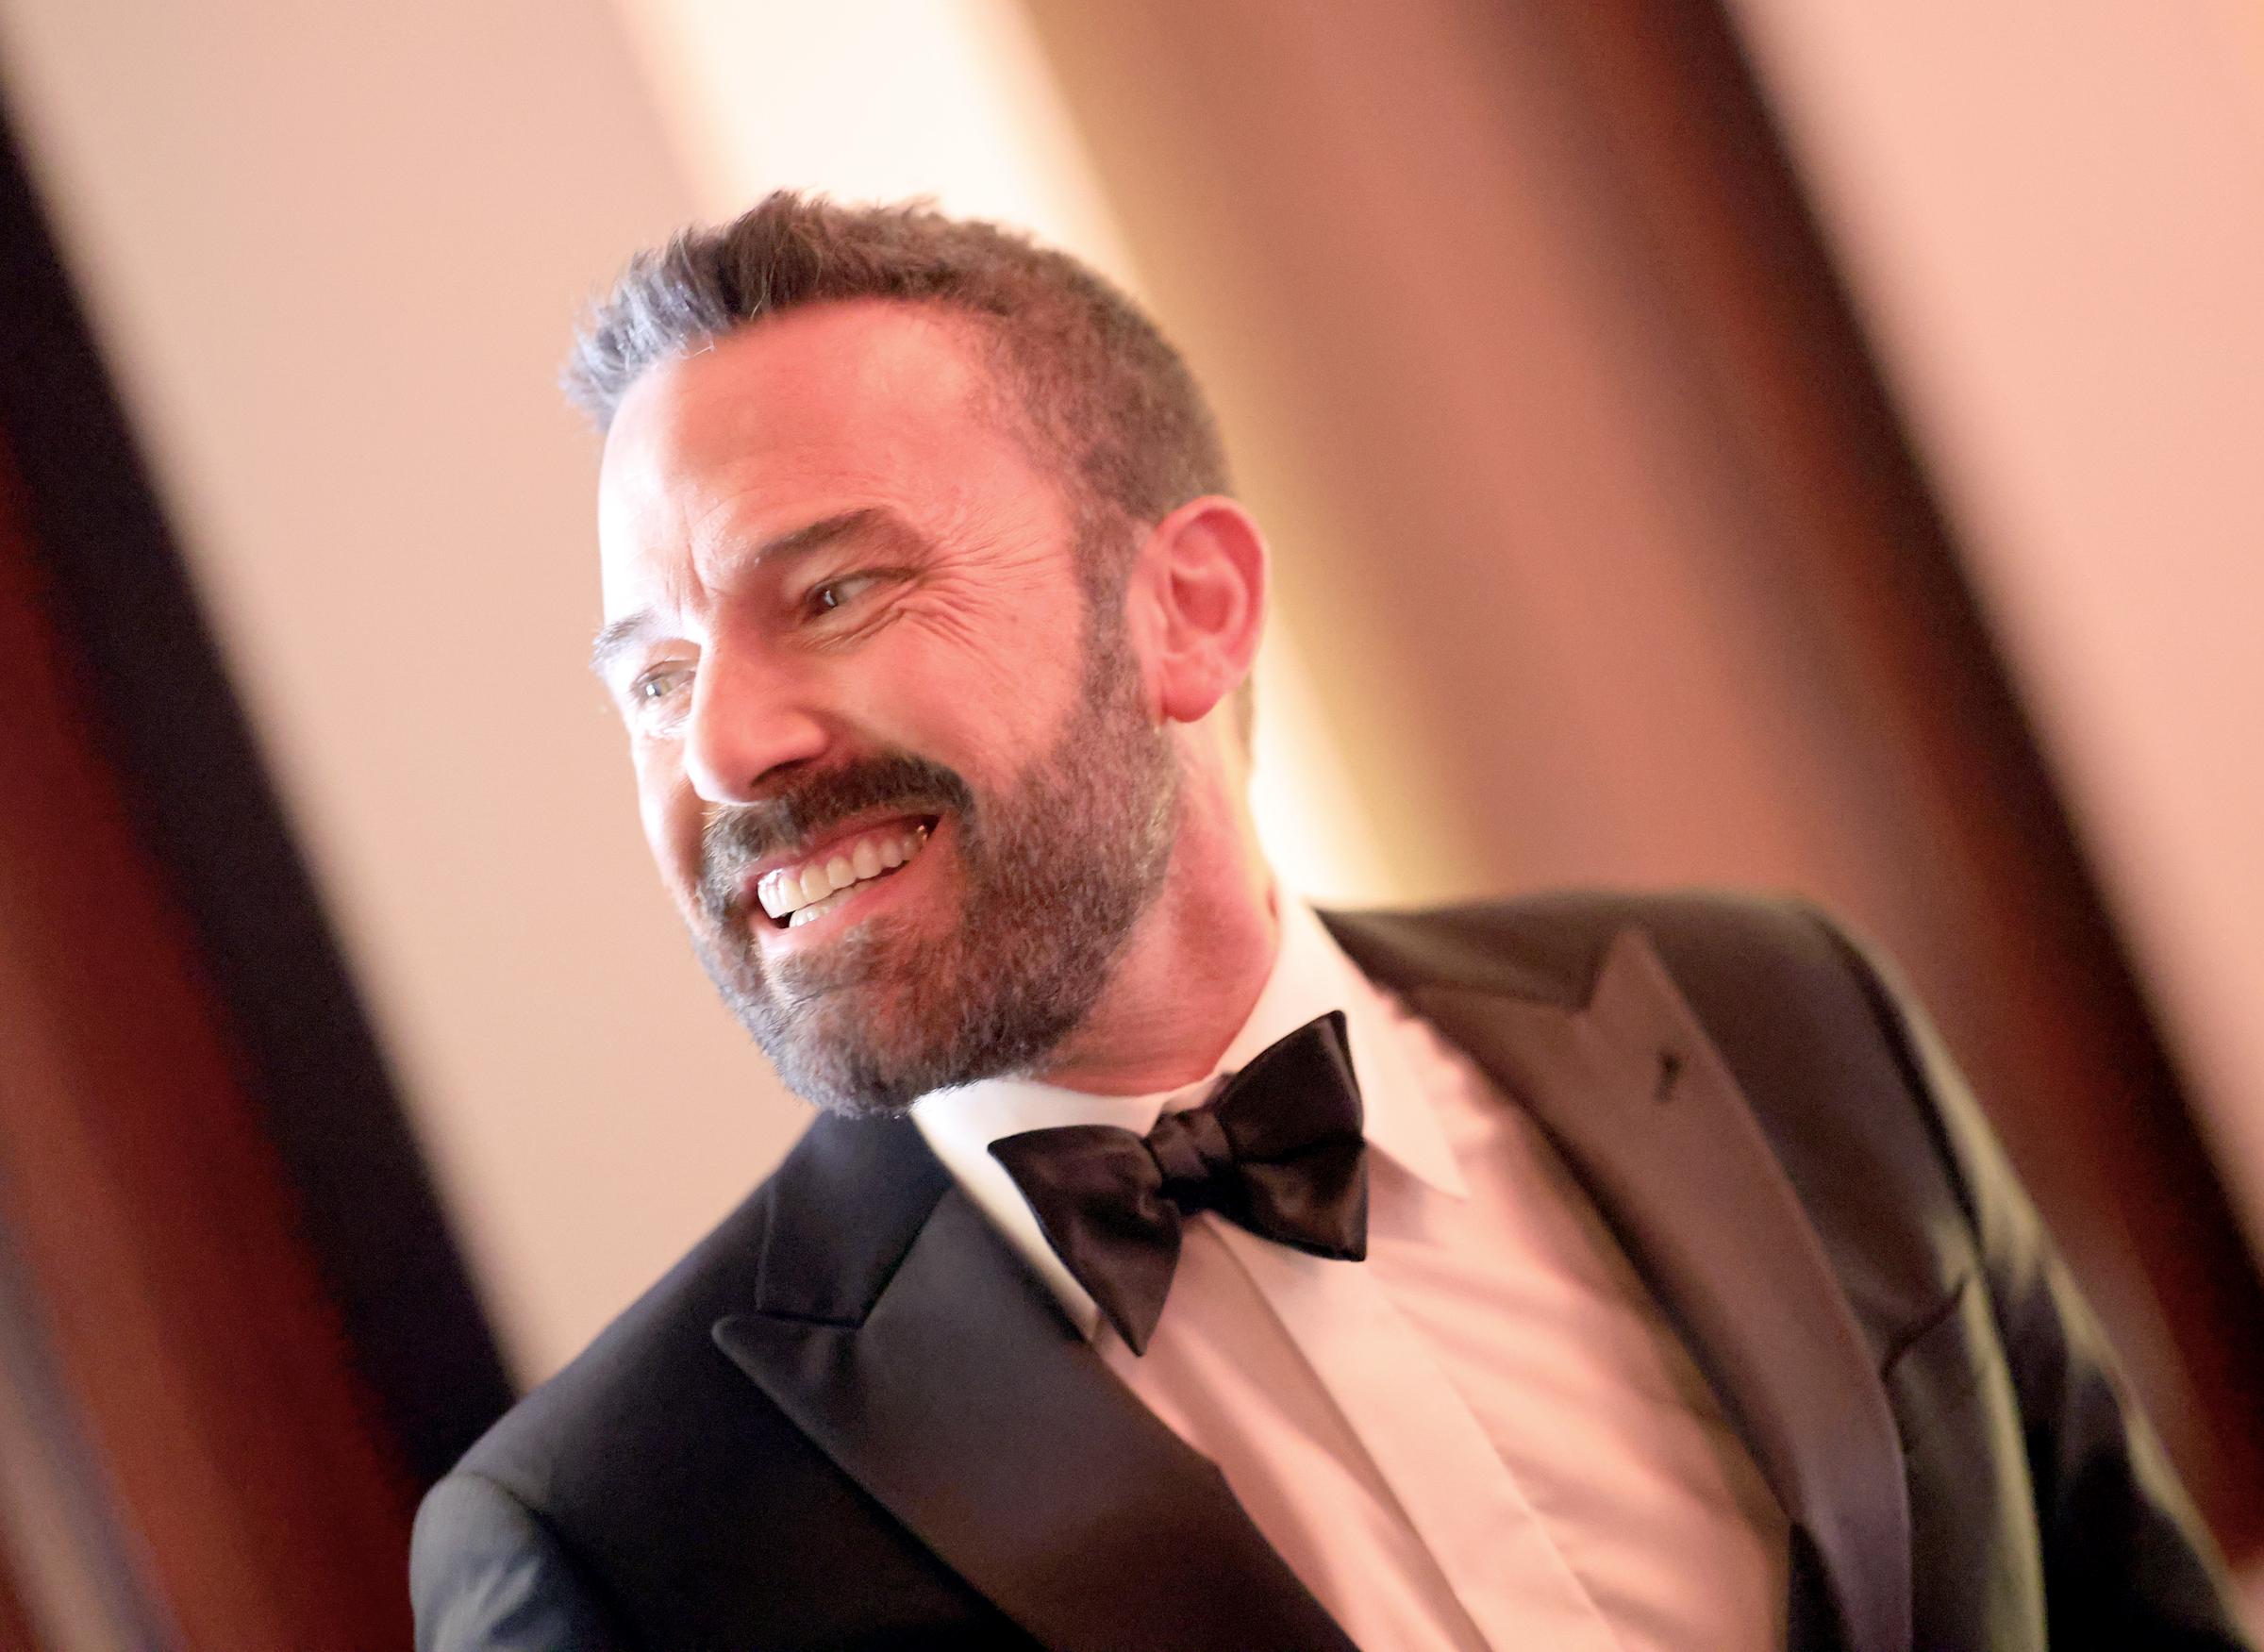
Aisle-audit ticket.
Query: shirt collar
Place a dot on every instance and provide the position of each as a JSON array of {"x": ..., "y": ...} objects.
[{"x": 1310, "y": 977}]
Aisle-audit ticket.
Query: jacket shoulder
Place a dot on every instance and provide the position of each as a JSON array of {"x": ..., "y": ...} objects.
[
  {"x": 1777, "y": 990},
  {"x": 485, "y": 1573},
  {"x": 816, "y": 1241},
  {"x": 555, "y": 1509},
  {"x": 1716, "y": 944},
  {"x": 602, "y": 1409},
  {"x": 684, "y": 1502}
]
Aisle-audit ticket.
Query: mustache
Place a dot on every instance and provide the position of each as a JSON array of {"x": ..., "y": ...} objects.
[{"x": 738, "y": 836}]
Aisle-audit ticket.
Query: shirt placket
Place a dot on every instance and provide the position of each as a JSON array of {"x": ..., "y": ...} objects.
[{"x": 1449, "y": 1481}]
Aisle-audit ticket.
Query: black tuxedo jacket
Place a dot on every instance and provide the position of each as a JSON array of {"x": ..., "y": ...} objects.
[{"x": 852, "y": 1418}]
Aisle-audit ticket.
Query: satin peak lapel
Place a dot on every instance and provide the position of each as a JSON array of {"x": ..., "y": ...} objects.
[
  {"x": 967, "y": 1405},
  {"x": 1650, "y": 1118}
]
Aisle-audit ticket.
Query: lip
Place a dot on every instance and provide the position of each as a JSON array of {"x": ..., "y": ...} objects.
[{"x": 750, "y": 903}]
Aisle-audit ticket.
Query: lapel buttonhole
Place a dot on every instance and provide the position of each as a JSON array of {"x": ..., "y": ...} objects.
[{"x": 1670, "y": 1070}]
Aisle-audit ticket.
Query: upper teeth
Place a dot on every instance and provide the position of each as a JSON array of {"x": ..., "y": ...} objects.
[{"x": 789, "y": 889}]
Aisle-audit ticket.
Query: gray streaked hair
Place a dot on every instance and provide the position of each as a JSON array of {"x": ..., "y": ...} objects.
[{"x": 1108, "y": 402}]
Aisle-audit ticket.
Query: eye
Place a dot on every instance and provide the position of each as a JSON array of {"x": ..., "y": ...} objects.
[
  {"x": 832, "y": 594},
  {"x": 658, "y": 683}
]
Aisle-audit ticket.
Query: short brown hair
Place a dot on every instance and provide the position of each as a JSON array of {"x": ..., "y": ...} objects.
[{"x": 1108, "y": 401}]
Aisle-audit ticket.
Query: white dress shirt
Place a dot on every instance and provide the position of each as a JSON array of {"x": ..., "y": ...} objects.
[{"x": 1486, "y": 1435}]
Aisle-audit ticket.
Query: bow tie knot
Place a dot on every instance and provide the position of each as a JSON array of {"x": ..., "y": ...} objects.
[
  {"x": 1277, "y": 1150},
  {"x": 1191, "y": 1150}
]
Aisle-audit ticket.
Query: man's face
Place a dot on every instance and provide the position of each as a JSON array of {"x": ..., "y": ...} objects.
[{"x": 910, "y": 796}]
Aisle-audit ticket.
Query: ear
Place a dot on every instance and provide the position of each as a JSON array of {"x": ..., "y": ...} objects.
[{"x": 1197, "y": 605}]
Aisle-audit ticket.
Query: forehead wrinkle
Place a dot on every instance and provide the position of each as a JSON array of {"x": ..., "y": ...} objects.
[{"x": 725, "y": 553}]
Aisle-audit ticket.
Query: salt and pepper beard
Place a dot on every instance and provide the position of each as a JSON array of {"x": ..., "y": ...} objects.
[{"x": 1054, "y": 872}]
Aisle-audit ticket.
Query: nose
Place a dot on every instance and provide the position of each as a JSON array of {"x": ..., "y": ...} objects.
[{"x": 750, "y": 719}]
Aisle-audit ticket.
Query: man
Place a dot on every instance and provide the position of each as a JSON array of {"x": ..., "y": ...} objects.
[{"x": 1173, "y": 1267}]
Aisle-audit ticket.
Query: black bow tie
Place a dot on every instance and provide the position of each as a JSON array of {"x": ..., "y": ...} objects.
[{"x": 1276, "y": 1150}]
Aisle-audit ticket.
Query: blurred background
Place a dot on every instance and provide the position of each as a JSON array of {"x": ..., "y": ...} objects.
[{"x": 1794, "y": 444}]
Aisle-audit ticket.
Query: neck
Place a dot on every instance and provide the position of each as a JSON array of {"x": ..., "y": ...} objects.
[{"x": 1191, "y": 973}]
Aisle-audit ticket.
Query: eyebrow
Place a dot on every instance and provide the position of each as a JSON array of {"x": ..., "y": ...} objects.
[{"x": 619, "y": 636}]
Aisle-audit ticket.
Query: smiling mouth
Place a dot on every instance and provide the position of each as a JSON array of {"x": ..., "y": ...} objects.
[{"x": 808, "y": 890}]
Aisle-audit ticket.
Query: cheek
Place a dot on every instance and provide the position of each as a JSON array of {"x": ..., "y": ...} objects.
[
  {"x": 670, "y": 813},
  {"x": 979, "y": 719}
]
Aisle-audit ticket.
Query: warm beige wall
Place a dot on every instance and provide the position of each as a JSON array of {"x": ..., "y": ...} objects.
[
  {"x": 2052, "y": 217},
  {"x": 332, "y": 253}
]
